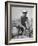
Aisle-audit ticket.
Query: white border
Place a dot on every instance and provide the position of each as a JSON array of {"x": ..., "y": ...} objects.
[{"x": 34, "y": 23}]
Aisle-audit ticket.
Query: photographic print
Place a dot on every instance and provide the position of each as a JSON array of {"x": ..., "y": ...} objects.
[{"x": 20, "y": 22}]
